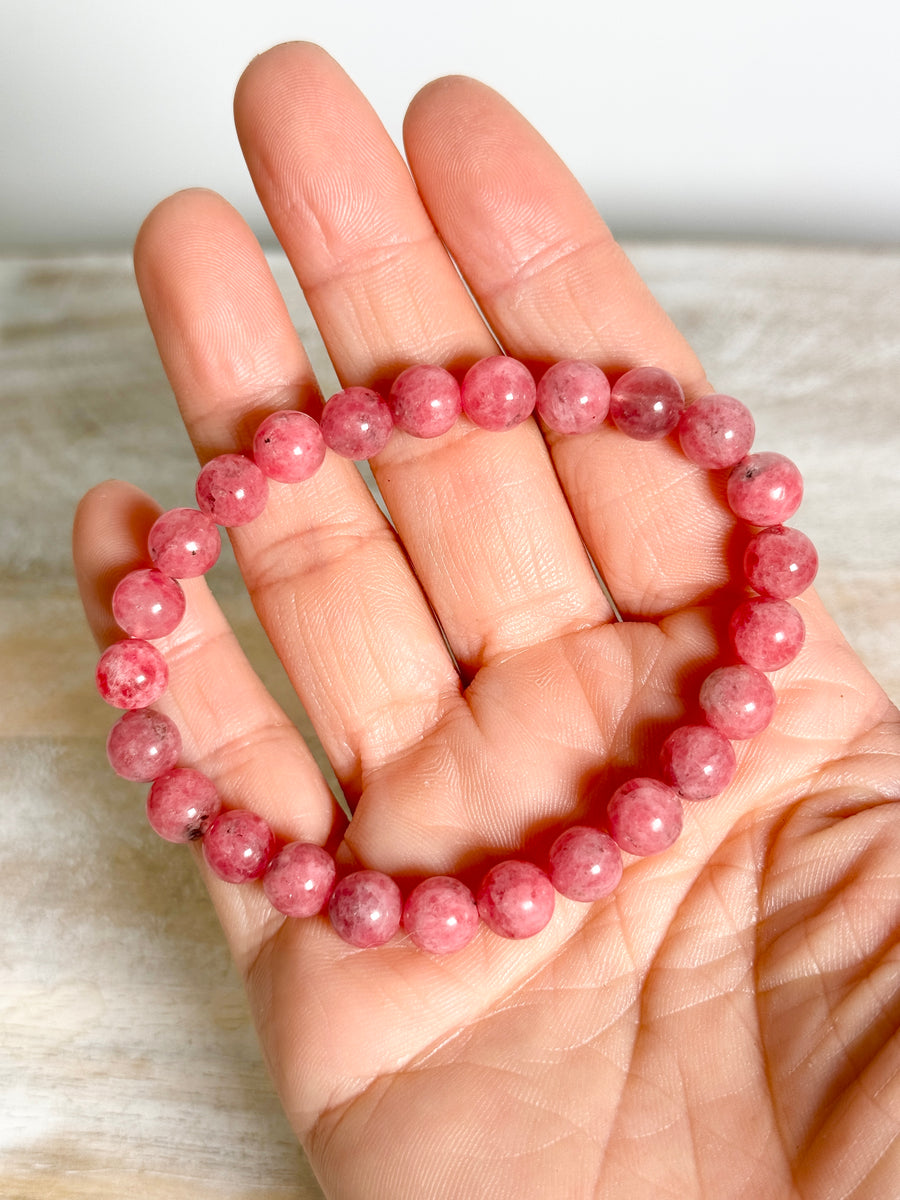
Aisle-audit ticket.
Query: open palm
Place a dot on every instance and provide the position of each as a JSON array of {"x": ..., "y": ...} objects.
[{"x": 726, "y": 1024}]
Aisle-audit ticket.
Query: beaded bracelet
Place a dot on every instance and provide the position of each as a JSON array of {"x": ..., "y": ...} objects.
[{"x": 643, "y": 816}]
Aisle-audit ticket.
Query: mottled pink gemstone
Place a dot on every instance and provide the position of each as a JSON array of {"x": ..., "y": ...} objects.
[
  {"x": 515, "y": 899},
  {"x": 440, "y": 915},
  {"x": 148, "y": 604},
  {"x": 644, "y": 816},
  {"x": 238, "y": 845},
  {"x": 716, "y": 431},
  {"x": 365, "y": 908},
  {"x": 498, "y": 393},
  {"x": 131, "y": 674},
  {"x": 585, "y": 863},
  {"x": 698, "y": 761},
  {"x": 356, "y": 423},
  {"x": 766, "y": 633},
  {"x": 765, "y": 488},
  {"x": 181, "y": 804},
  {"x": 288, "y": 446},
  {"x": 646, "y": 403},
  {"x": 572, "y": 397},
  {"x": 184, "y": 543},
  {"x": 780, "y": 562},
  {"x": 299, "y": 879},
  {"x": 425, "y": 401},
  {"x": 143, "y": 744},
  {"x": 232, "y": 490},
  {"x": 739, "y": 701}
]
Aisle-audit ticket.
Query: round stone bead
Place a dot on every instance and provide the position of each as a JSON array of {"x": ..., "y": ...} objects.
[
  {"x": 148, "y": 604},
  {"x": 572, "y": 397},
  {"x": 299, "y": 880},
  {"x": 585, "y": 864},
  {"x": 131, "y": 674},
  {"x": 232, "y": 490},
  {"x": 356, "y": 423},
  {"x": 238, "y": 845},
  {"x": 288, "y": 446},
  {"x": 440, "y": 915},
  {"x": 365, "y": 908},
  {"x": 644, "y": 816},
  {"x": 764, "y": 488},
  {"x": 425, "y": 401},
  {"x": 184, "y": 543},
  {"x": 516, "y": 899},
  {"x": 646, "y": 403},
  {"x": 739, "y": 701},
  {"x": 780, "y": 562},
  {"x": 181, "y": 804},
  {"x": 698, "y": 761},
  {"x": 766, "y": 633},
  {"x": 716, "y": 431},
  {"x": 498, "y": 393},
  {"x": 143, "y": 744}
]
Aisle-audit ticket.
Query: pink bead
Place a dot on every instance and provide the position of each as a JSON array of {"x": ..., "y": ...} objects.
[
  {"x": 698, "y": 761},
  {"x": 131, "y": 674},
  {"x": 181, "y": 804},
  {"x": 238, "y": 845},
  {"x": 143, "y": 744},
  {"x": 516, "y": 899},
  {"x": 232, "y": 490},
  {"x": 585, "y": 863},
  {"x": 184, "y": 543},
  {"x": 425, "y": 401},
  {"x": 148, "y": 604},
  {"x": 766, "y": 633},
  {"x": 440, "y": 915},
  {"x": 644, "y": 816},
  {"x": 780, "y": 562},
  {"x": 365, "y": 909},
  {"x": 646, "y": 403},
  {"x": 498, "y": 393},
  {"x": 356, "y": 423},
  {"x": 288, "y": 446},
  {"x": 765, "y": 488},
  {"x": 739, "y": 701},
  {"x": 716, "y": 431},
  {"x": 300, "y": 879},
  {"x": 572, "y": 397}
]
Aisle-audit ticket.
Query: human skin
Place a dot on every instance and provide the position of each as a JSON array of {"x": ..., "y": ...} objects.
[{"x": 725, "y": 1025}]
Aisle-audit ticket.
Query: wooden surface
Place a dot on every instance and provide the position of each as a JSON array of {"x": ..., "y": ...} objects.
[{"x": 128, "y": 1064}]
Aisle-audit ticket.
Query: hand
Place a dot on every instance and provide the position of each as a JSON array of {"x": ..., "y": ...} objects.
[{"x": 726, "y": 1024}]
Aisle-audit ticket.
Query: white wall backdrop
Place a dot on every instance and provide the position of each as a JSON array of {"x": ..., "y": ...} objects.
[{"x": 776, "y": 118}]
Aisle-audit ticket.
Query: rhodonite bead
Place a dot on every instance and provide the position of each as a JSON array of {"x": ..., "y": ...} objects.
[
  {"x": 148, "y": 604},
  {"x": 440, "y": 915},
  {"x": 516, "y": 899},
  {"x": 365, "y": 908},
  {"x": 716, "y": 431},
  {"x": 764, "y": 488},
  {"x": 698, "y": 761},
  {"x": 232, "y": 490},
  {"x": 572, "y": 397},
  {"x": 425, "y": 401},
  {"x": 181, "y": 804},
  {"x": 780, "y": 562},
  {"x": 299, "y": 880},
  {"x": 498, "y": 393},
  {"x": 288, "y": 446},
  {"x": 184, "y": 543},
  {"x": 644, "y": 816},
  {"x": 739, "y": 701},
  {"x": 143, "y": 744},
  {"x": 646, "y": 403},
  {"x": 131, "y": 674},
  {"x": 766, "y": 633},
  {"x": 585, "y": 864},
  {"x": 238, "y": 845},
  {"x": 356, "y": 423}
]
